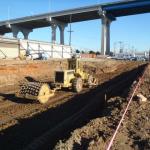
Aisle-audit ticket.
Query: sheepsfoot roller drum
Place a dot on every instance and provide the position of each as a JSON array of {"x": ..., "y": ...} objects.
[
  {"x": 35, "y": 91},
  {"x": 91, "y": 81},
  {"x": 77, "y": 85}
]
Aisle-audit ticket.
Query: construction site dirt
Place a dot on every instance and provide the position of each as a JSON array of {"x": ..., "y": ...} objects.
[{"x": 76, "y": 121}]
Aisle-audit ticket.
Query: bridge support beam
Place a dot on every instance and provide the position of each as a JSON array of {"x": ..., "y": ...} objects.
[
  {"x": 53, "y": 26},
  {"x": 2, "y": 34},
  {"x": 17, "y": 29},
  {"x": 26, "y": 32},
  {"x": 62, "y": 29},
  {"x": 105, "y": 37}
]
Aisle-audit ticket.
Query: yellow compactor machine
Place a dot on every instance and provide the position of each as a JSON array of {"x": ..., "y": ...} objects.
[{"x": 73, "y": 78}]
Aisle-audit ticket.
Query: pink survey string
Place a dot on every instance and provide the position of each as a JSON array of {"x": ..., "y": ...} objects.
[{"x": 116, "y": 131}]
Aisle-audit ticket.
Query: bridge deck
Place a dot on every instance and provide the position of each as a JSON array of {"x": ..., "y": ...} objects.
[{"x": 115, "y": 9}]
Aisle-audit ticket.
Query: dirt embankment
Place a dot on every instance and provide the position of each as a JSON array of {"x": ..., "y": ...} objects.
[{"x": 13, "y": 72}]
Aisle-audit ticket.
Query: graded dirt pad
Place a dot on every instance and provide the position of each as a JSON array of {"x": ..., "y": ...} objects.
[
  {"x": 134, "y": 133},
  {"x": 23, "y": 121}
]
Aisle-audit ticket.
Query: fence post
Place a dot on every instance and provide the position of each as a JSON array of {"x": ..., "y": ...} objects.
[
  {"x": 62, "y": 51},
  {"x": 19, "y": 53}
]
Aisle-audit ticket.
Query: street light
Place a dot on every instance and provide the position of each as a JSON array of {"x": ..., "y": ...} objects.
[{"x": 70, "y": 30}]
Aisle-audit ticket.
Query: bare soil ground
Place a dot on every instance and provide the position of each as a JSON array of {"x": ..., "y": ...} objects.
[
  {"x": 134, "y": 133},
  {"x": 22, "y": 122}
]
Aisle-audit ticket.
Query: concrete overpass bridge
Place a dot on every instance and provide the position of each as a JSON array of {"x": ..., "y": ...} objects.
[{"x": 107, "y": 12}]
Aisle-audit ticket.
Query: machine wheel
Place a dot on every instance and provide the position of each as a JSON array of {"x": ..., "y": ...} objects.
[
  {"x": 91, "y": 81},
  {"x": 44, "y": 94},
  {"x": 77, "y": 85},
  {"x": 35, "y": 91}
]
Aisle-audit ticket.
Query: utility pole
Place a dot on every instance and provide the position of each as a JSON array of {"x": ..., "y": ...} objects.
[
  {"x": 121, "y": 46},
  {"x": 70, "y": 30},
  {"x": 114, "y": 48}
]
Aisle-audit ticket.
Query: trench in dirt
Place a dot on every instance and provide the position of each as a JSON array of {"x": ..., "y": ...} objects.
[{"x": 27, "y": 130}]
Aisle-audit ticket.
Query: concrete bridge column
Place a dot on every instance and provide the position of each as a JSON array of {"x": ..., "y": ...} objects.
[
  {"x": 53, "y": 26},
  {"x": 105, "y": 37},
  {"x": 15, "y": 31},
  {"x": 2, "y": 34},
  {"x": 62, "y": 28},
  {"x": 26, "y": 32}
]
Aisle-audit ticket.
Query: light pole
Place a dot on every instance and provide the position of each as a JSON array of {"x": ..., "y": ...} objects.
[
  {"x": 70, "y": 31},
  {"x": 114, "y": 48},
  {"x": 121, "y": 46}
]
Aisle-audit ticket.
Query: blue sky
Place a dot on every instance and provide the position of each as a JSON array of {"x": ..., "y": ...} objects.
[{"x": 134, "y": 31}]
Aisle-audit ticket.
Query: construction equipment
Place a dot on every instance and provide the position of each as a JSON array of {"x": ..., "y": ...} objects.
[
  {"x": 74, "y": 78},
  {"x": 35, "y": 91}
]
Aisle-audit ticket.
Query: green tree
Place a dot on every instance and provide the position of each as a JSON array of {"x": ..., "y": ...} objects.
[
  {"x": 111, "y": 54},
  {"x": 77, "y": 51},
  {"x": 98, "y": 53},
  {"x": 91, "y": 52}
]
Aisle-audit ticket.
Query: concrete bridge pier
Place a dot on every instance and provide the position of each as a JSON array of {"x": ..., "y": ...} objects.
[
  {"x": 26, "y": 32},
  {"x": 54, "y": 27},
  {"x": 105, "y": 37},
  {"x": 62, "y": 29},
  {"x": 54, "y": 24},
  {"x": 16, "y": 30},
  {"x": 2, "y": 34}
]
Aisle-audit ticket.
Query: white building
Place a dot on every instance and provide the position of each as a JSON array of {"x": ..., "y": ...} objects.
[{"x": 11, "y": 48}]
